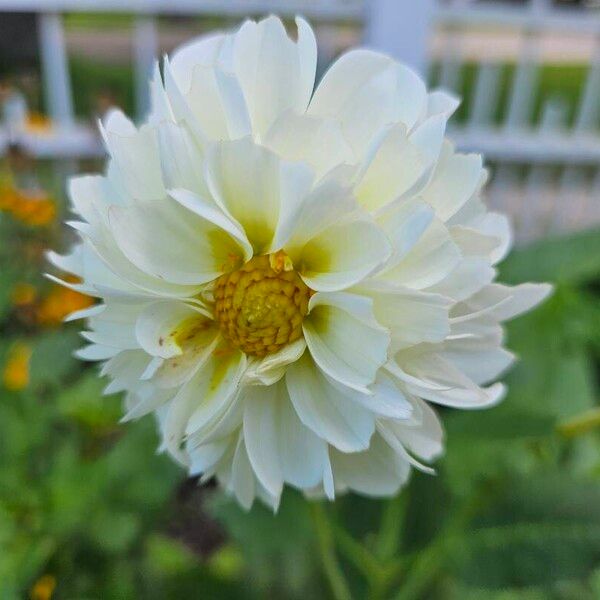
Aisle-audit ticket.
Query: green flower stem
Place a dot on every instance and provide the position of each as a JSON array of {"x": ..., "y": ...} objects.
[
  {"x": 329, "y": 562},
  {"x": 391, "y": 526},
  {"x": 359, "y": 556},
  {"x": 428, "y": 563}
]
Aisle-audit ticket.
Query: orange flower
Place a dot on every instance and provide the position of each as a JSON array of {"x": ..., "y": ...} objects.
[
  {"x": 30, "y": 207},
  {"x": 16, "y": 370},
  {"x": 23, "y": 294},
  {"x": 38, "y": 123},
  {"x": 43, "y": 588},
  {"x": 33, "y": 208},
  {"x": 60, "y": 302}
]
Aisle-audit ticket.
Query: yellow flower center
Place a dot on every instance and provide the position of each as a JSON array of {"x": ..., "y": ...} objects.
[{"x": 260, "y": 307}]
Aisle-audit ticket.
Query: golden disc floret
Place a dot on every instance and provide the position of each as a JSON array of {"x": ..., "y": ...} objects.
[{"x": 260, "y": 307}]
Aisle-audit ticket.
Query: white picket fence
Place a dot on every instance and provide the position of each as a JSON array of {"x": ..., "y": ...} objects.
[{"x": 547, "y": 174}]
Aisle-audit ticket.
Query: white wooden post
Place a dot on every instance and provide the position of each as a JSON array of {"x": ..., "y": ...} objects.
[
  {"x": 540, "y": 201},
  {"x": 400, "y": 28},
  {"x": 55, "y": 68},
  {"x": 485, "y": 94},
  {"x": 145, "y": 47}
]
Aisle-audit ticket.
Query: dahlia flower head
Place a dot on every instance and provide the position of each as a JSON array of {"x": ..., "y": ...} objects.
[{"x": 291, "y": 276}]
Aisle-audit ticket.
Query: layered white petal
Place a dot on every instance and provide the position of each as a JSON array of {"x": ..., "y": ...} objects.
[
  {"x": 366, "y": 91},
  {"x": 455, "y": 179},
  {"x": 275, "y": 73},
  {"x": 413, "y": 317},
  {"x": 428, "y": 262},
  {"x": 279, "y": 446},
  {"x": 172, "y": 243},
  {"x": 378, "y": 471},
  {"x": 325, "y": 409},
  {"x": 342, "y": 255},
  {"x": 344, "y": 338}
]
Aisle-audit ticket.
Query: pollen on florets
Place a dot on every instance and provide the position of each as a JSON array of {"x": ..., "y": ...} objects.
[{"x": 260, "y": 307}]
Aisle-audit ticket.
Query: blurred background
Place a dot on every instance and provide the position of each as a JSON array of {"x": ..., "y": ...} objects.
[{"x": 88, "y": 510}]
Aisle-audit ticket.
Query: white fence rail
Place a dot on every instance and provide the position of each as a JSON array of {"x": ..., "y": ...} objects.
[{"x": 559, "y": 157}]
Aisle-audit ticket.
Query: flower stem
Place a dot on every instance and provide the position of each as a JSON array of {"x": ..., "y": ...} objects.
[
  {"x": 329, "y": 562},
  {"x": 391, "y": 527}
]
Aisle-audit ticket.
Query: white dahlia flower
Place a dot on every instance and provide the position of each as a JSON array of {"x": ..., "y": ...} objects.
[{"x": 289, "y": 276}]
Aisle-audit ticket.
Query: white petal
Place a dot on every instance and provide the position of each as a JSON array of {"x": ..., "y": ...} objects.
[
  {"x": 367, "y": 91},
  {"x": 205, "y": 50},
  {"x": 276, "y": 74},
  {"x": 136, "y": 155},
  {"x": 396, "y": 166},
  {"x": 507, "y": 302},
  {"x": 454, "y": 181},
  {"x": 180, "y": 158},
  {"x": 442, "y": 102},
  {"x": 469, "y": 276},
  {"x": 430, "y": 260},
  {"x": 423, "y": 437},
  {"x": 115, "y": 326},
  {"x": 460, "y": 392},
  {"x": 499, "y": 227},
  {"x": 242, "y": 481},
  {"x": 209, "y": 100},
  {"x": 378, "y": 471},
  {"x": 343, "y": 255},
  {"x": 271, "y": 368},
  {"x": 344, "y": 339},
  {"x": 96, "y": 352},
  {"x": 172, "y": 243},
  {"x": 413, "y": 317},
  {"x": 245, "y": 180},
  {"x": 313, "y": 140},
  {"x": 404, "y": 224},
  {"x": 161, "y": 326},
  {"x": 478, "y": 359},
  {"x": 214, "y": 387},
  {"x": 205, "y": 458},
  {"x": 428, "y": 137},
  {"x": 296, "y": 180},
  {"x": 386, "y": 398},
  {"x": 325, "y": 409},
  {"x": 145, "y": 399},
  {"x": 113, "y": 274},
  {"x": 279, "y": 446},
  {"x": 320, "y": 208},
  {"x": 209, "y": 211},
  {"x": 262, "y": 436},
  {"x": 303, "y": 454},
  {"x": 473, "y": 242},
  {"x": 204, "y": 398}
]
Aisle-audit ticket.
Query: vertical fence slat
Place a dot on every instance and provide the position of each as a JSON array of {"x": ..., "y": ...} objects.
[
  {"x": 145, "y": 49},
  {"x": 386, "y": 29},
  {"x": 451, "y": 64},
  {"x": 55, "y": 68},
  {"x": 485, "y": 94},
  {"x": 541, "y": 200},
  {"x": 588, "y": 110},
  {"x": 520, "y": 104}
]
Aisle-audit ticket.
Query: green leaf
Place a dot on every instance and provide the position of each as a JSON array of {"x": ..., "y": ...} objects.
[{"x": 573, "y": 259}]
